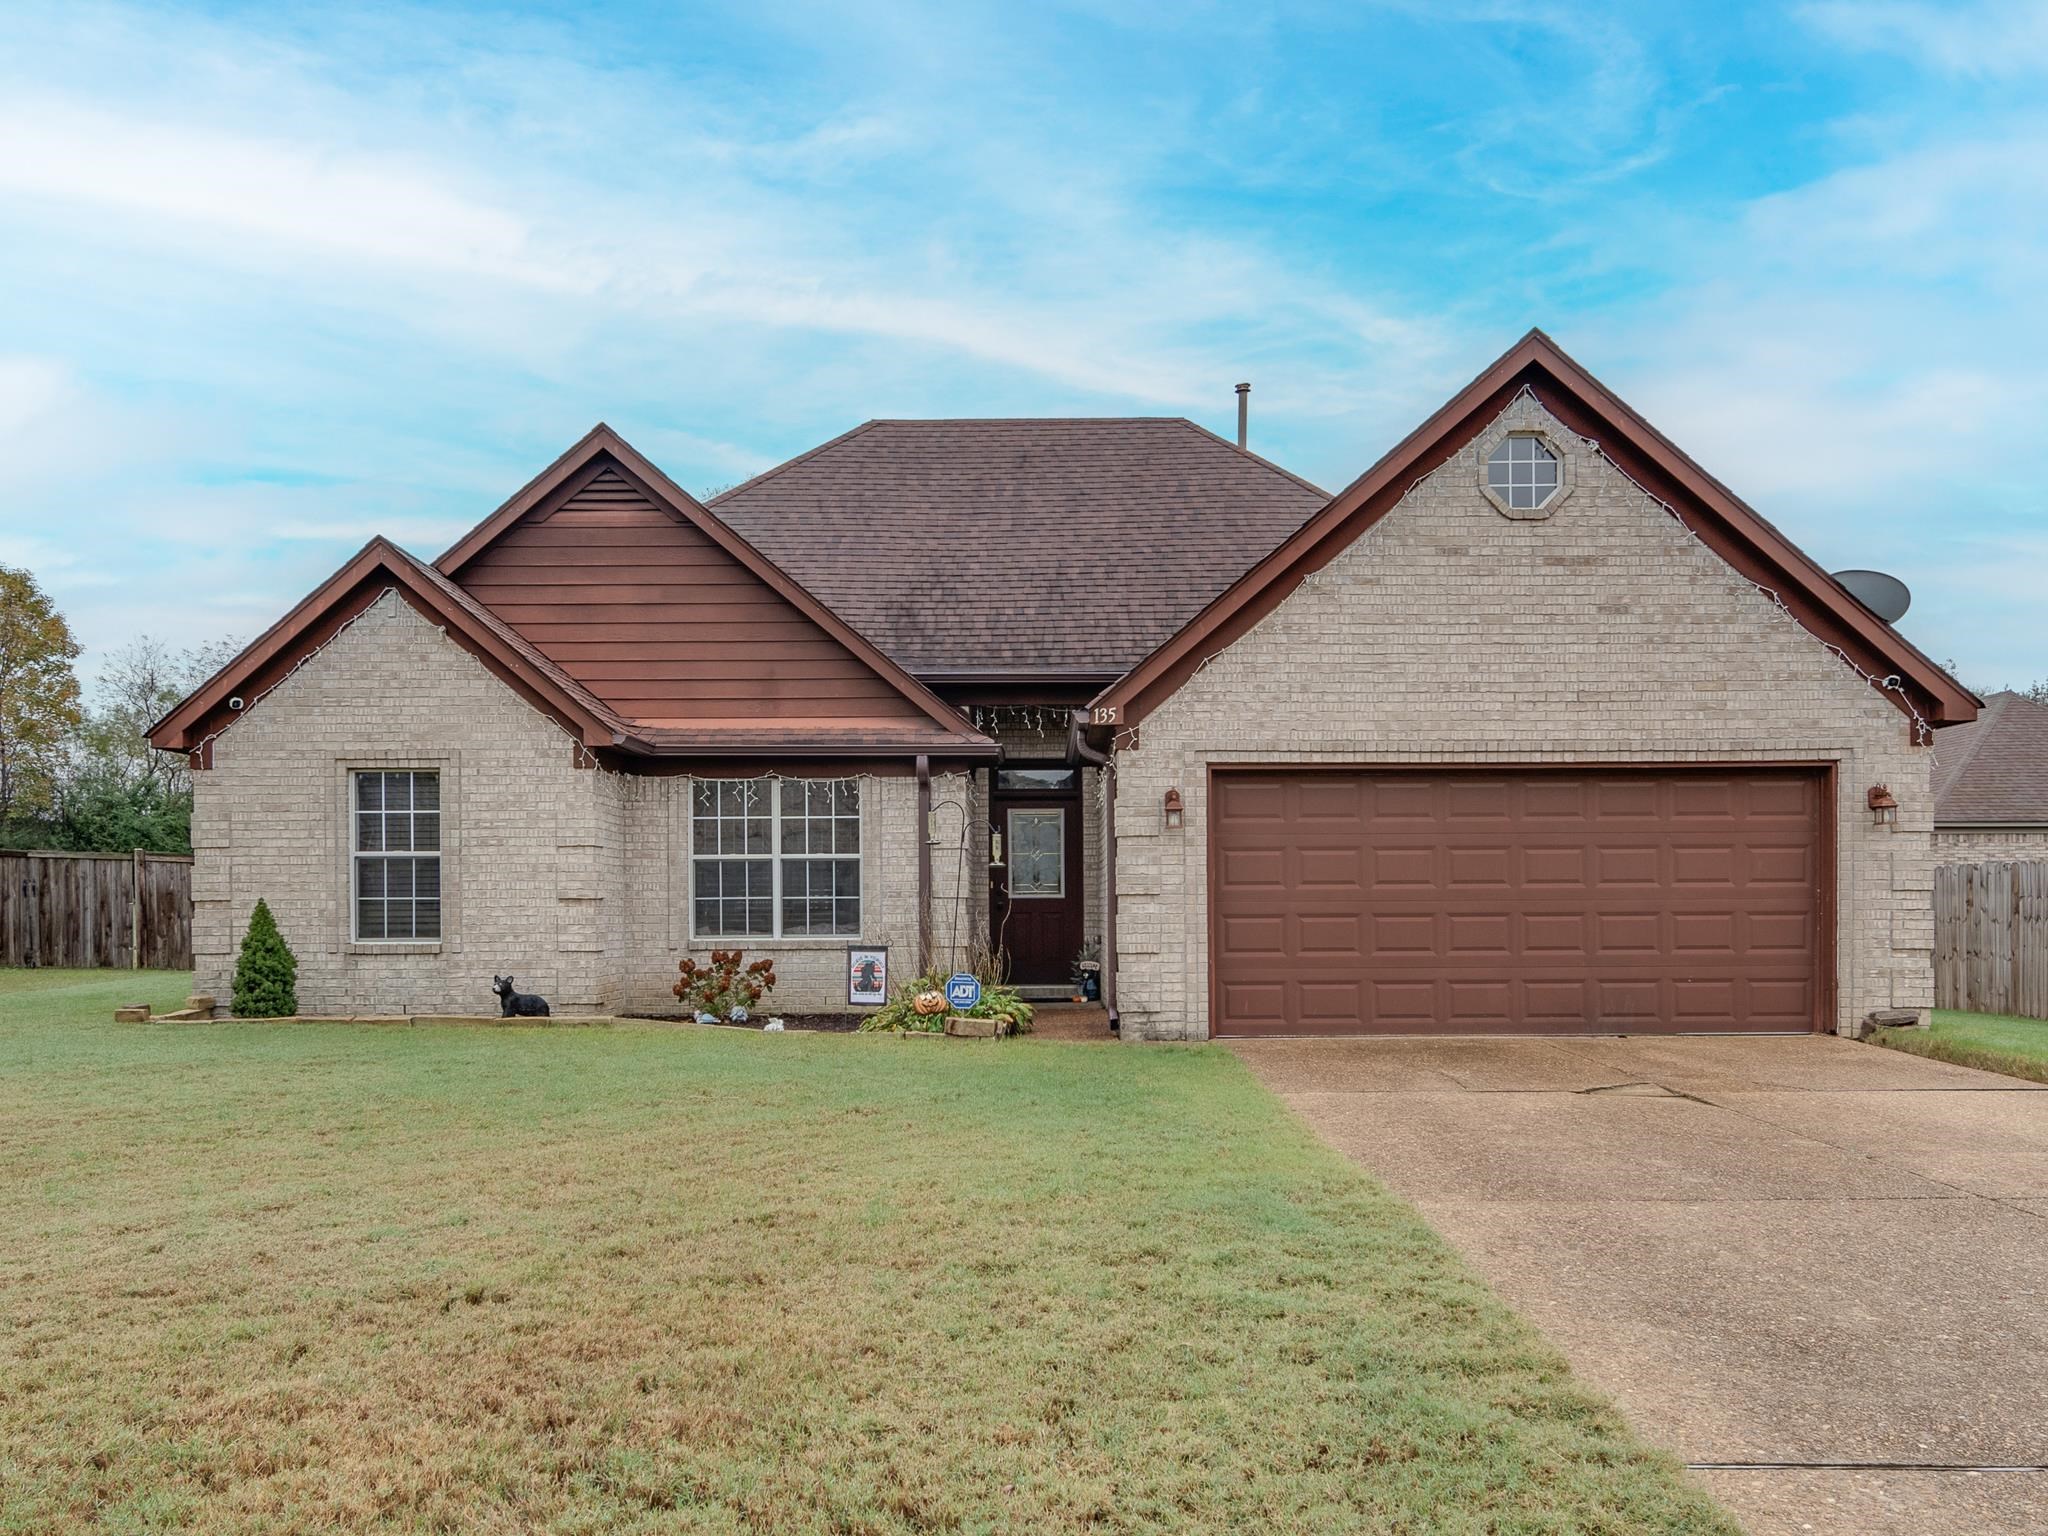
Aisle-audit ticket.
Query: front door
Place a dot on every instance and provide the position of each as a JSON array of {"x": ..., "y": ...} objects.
[{"x": 1035, "y": 896}]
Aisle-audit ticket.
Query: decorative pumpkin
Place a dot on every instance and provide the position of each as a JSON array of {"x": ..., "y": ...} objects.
[{"x": 929, "y": 1003}]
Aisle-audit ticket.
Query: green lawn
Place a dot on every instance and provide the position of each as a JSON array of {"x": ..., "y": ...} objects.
[
  {"x": 325, "y": 1277},
  {"x": 1995, "y": 1042}
]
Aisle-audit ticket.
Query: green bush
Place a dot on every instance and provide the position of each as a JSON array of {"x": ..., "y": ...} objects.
[{"x": 267, "y": 974}]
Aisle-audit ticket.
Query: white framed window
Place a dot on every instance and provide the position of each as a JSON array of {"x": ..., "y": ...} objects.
[
  {"x": 775, "y": 858},
  {"x": 395, "y": 862},
  {"x": 1522, "y": 471}
]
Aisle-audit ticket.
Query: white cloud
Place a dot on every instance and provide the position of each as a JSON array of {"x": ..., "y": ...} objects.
[
  {"x": 293, "y": 196},
  {"x": 1870, "y": 334},
  {"x": 1992, "y": 39}
]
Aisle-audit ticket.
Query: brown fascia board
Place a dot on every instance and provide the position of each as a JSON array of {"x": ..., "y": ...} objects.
[
  {"x": 377, "y": 567},
  {"x": 658, "y": 488},
  {"x": 951, "y": 748},
  {"x": 1723, "y": 520}
]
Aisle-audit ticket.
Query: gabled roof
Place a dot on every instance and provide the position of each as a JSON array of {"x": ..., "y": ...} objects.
[
  {"x": 1994, "y": 771},
  {"x": 1037, "y": 546},
  {"x": 841, "y": 697},
  {"x": 377, "y": 568},
  {"x": 1727, "y": 524},
  {"x": 686, "y": 631}
]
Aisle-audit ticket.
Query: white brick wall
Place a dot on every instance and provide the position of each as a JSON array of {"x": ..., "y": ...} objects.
[
  {"x": 573, "y": 879},
  {"x": 1450, "y": 633},
  {"x": 270, "y": 819}
]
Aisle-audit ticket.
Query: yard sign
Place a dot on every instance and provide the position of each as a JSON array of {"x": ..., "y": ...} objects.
[{"x": 867, "y": 975}]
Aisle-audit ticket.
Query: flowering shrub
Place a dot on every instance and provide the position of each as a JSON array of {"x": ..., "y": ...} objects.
[{"x": 723, "y": 991}]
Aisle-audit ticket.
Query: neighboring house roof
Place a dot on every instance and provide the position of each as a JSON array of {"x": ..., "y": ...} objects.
[
  {"x": 1057, "y": 546},
  {"x": 1721, "y": 519},
  {"x": 1994, "y": 771}
]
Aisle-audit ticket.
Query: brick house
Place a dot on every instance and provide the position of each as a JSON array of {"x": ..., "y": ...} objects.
[
  {"x": 1991, "y": 784},
  {"x": 1535, "y": 727}
]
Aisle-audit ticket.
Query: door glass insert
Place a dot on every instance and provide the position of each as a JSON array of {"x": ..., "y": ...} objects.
[{"x": 1038, "y": 853}]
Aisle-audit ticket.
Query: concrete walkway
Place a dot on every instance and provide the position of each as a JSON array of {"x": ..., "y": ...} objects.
[{"x": 1780, "y": 1256}]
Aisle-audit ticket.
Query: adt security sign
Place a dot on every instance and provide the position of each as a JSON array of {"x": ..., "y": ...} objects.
[{"x": 963, "y": 991}]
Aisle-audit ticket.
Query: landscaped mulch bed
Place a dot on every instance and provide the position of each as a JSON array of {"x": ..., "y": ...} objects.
[{"x": 823, "y": 1023}]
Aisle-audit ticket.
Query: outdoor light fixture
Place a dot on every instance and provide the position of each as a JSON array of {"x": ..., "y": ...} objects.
[
  {"x": 1175, "y": 811},
  {"x": 1884, "y": 809}
]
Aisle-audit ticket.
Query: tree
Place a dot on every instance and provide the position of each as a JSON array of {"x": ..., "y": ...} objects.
[
  {"x": 119, "y": 792},
  {"x": 2037, "y": 691},
  {"x": 267, "y": 973},
  {"x": 137, "y": 686},
  {"x": 99, "y": 813},
  {"x": 38, "y": 695}
]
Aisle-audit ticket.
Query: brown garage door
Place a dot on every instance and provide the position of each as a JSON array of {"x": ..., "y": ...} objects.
[{"x": 1352, "y": 902}]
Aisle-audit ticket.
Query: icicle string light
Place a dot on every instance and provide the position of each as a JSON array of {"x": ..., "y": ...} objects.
[
  {"x": 1891, "y": 683},
  {"x": 1039, "y": 719},
  {"x": 584, "y": 757}
]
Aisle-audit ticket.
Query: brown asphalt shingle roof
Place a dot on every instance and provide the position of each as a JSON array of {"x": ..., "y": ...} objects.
[
  {"x": 1994, "y": 770},
  {"x": 1074, "y": 544}
]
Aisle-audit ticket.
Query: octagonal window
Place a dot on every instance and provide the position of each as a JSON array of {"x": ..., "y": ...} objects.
[{"x": 1522, "y": 471}]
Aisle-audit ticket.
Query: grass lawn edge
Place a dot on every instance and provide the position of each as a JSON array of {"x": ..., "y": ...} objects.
[{"x": 340, "y": 1279}]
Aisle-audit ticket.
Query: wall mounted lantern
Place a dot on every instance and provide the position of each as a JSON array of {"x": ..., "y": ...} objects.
[
  {"x": 1175, "y": 811},
  {"x": 1884, "y": 808}
]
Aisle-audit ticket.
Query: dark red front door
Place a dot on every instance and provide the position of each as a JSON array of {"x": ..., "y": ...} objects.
[{"x": 1036, "y": 902}]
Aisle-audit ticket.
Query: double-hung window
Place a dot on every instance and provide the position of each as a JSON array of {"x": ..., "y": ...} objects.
[
  {"x": 775, "y": 858},
  {"x": 395, "y": 835}
]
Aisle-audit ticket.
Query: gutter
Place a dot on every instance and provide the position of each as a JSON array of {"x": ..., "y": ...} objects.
[
  {"x": 1079, "y": 751},
  {"x": 924, "y": 864}
]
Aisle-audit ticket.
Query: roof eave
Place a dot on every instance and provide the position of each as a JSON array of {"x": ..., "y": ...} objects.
[
  {"x": 175, "y": 731},
  {"x": 1323, "y": 535},
  {"x": 663, "y": 492}
]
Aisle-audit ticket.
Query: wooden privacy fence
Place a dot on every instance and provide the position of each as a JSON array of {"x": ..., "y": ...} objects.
[
  {"x": 1991, "y": 938},
  {"x": 96, "y": 909}
]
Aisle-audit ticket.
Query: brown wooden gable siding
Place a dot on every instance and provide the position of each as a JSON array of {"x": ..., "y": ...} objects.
[{"x": 659, "y": 622}]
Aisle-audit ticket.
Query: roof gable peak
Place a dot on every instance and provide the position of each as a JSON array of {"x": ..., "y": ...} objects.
[
  {"x": 600, "y": 450},
  {"x": 1707, "y": 507}
]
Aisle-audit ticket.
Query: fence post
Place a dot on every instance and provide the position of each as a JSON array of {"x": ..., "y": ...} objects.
[
  {"x": 2013, "y": 994},
  {"x": 135, "y": 909}
]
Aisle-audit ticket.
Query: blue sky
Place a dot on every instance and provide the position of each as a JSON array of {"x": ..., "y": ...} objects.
[{"x": 274, "y": 278}]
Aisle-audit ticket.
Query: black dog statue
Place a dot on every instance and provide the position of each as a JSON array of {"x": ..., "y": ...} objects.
[{"x": 514, "y": 1004}]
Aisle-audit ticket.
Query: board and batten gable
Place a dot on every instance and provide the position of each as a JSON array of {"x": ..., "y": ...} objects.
[
  {"x": 650, "y": 614},
  {"x": 1450, "y": 634}
]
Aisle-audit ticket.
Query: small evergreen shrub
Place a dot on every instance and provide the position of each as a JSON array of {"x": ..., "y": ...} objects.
[{"x": 267, "y": 974}]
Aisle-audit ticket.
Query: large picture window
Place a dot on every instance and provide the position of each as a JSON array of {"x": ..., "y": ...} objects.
[
  {"x": 396, "y": 837},
  {"x": 775, "y": 858}
]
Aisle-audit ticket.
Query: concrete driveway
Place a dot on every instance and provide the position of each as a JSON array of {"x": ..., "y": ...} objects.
[{"x": 1815, "y": 1270}]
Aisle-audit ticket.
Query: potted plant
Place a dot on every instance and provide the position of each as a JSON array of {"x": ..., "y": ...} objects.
[
  {"x": 723, "y": 991},
  {"x": 1088, "y": 971}
]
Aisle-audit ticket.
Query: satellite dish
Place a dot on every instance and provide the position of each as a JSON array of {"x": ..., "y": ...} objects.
[{"x": 1885, "y": 596}]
